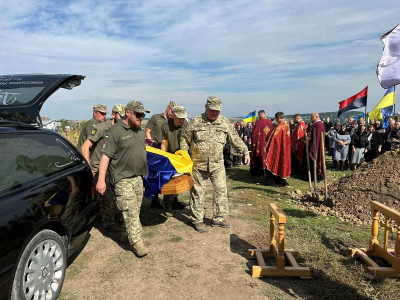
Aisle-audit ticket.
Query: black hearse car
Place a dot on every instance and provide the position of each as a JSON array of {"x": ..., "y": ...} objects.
[{"x": 46, "y": 202}]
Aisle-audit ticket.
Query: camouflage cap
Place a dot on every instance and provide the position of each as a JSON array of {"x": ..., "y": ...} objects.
[
  {"x": 119, "y": 108},
  {"x": 172, "y": 104},
  {"x": 101, "y": 108},
  {"x": 214, "y": 103},
  {"x": 180, "y": 112},
  {"x": 136, "y": 106}
]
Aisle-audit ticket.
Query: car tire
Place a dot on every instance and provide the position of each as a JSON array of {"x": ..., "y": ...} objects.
[{"x": 41, "y": 269}]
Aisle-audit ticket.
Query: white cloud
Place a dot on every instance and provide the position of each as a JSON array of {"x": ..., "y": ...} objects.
[{"x": 276, "y": 55}]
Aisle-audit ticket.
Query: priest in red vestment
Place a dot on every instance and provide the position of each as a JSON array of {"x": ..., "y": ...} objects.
[
  {"x": 297, "y": 143},
  {"x": 316, "y": 126},
  {"x": 261, "y": 129},
  {"x": 277, "y": 148}
]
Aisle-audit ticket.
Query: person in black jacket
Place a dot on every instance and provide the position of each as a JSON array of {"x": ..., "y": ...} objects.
[
  {"x": 391, "y": 137},
  {"x": 374, "y": 146},
  {"x": 328, "y": 125},
  {"x": 359, "y": 142}
]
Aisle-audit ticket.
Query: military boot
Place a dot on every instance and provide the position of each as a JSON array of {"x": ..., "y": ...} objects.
[
  {"x": 199, "y": 227},
  {"x": 223, "y": 224},
  {"x": 140, "y": 249}
]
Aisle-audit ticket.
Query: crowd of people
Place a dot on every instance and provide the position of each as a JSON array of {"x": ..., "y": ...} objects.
[
  {"x": 349, "y": 144},
  {"x": 353, "y": 142}
]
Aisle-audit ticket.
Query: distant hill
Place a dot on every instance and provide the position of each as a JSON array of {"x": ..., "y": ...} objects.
[
  {"x": 332, "y": 115},
  {"x": 322, "y": 115}
]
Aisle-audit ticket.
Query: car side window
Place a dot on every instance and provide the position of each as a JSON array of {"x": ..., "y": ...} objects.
[{"x": 27, "y": 158}]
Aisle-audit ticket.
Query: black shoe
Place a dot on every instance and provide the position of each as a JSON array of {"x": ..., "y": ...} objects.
[
  {"x": 178, "y": 205},
  {"x": 155, "y": 203}
]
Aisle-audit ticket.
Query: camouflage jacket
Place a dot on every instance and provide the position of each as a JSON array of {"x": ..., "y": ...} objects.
[{"x": 206, "y": 140}]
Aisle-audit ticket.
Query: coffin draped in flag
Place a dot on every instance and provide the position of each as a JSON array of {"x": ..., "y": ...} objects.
[
  {"x": 163, "y": 166},
  {"x": 388, "y": 70},
  {"x": 251, "y": 117},
  {"x": 356, "y": 101},
  {"x": 388, "y": 100}
]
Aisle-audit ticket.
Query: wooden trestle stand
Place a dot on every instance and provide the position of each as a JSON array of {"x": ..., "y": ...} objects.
[
  {"x": 390, "y": 255},
  {"x": 281, "y": 254}
]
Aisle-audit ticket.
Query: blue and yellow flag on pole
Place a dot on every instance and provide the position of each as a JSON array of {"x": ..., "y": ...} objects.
[
  {"x": 387, "y": 100},
  {"x": 251, "y": 117}
]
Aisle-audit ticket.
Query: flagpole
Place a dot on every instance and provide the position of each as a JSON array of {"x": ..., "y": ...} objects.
[
  {"x": 365, "y": 114},
  {"x": 394, "y": 101}
]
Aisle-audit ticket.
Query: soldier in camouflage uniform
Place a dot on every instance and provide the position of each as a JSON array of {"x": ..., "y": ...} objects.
[
  {"x": 154, "y": 134},
  {"x": 124, "y": 150},
  {"x": 171, "y": 142},
  {"x": 99, "y": 115},
  {"x": 95, "y": 141},
  {"x": 205, "y": 137}
]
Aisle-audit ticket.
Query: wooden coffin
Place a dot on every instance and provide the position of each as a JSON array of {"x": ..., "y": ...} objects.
[{"x": 177, "y": 185}]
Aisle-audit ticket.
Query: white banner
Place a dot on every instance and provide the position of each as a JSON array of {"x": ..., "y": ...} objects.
[{"x": 388, "y": 69}]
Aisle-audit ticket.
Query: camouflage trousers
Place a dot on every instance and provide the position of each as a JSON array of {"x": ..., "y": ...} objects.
[
  {"x": 107, "y": 202},
  {"x": 129, "y": 193},
  {"x": 220, "y": 203}
]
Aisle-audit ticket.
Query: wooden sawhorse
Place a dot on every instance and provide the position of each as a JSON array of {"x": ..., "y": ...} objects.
[
  {"x": 390, "y": 255},
  {"x": 281, "y": 254}
]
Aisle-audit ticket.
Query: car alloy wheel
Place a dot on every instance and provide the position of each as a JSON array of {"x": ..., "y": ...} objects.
[{"x": 41, "y": 270}]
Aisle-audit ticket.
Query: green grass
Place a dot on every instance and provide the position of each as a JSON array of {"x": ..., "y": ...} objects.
[
  {"x": 176, "y": 239},
  {"x": 321, "y": 239},
  {"x": 67, "y": 296}
]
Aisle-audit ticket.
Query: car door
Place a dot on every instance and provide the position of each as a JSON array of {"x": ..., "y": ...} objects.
[{"x": 45, "y": 182}]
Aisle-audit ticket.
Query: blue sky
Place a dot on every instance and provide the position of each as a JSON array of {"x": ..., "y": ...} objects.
[{"x": 290, "y": 56}]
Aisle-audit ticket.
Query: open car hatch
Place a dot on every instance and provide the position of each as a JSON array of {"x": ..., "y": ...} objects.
[{"x": 22, "y": 96}]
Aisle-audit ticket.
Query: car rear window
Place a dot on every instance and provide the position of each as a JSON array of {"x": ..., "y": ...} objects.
[
  {"x": 28, "y": 158},
  {"x": 19, "y": 90}
]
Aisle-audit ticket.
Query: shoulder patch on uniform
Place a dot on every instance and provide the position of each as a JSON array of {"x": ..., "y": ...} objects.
[{"x": 93, "y": 132}]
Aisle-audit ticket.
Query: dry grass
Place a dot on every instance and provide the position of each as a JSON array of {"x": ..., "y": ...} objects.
[{"x": 72, "y": 136}]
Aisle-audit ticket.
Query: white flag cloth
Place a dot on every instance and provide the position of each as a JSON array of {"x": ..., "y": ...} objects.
[{"x": 388, "y": 69}]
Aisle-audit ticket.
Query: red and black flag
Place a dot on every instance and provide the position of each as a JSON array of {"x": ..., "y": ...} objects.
[{"x": 356, "y": 101}]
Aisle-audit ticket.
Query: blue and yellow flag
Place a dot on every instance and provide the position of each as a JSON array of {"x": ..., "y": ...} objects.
[
  {"x": 251, "y": 117},
  {"x": 162, "y": 166},
  {"x": 387, "y": 100}
]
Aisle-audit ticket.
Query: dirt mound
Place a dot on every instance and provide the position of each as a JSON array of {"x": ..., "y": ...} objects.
[{"x": 378, "y": 180}]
